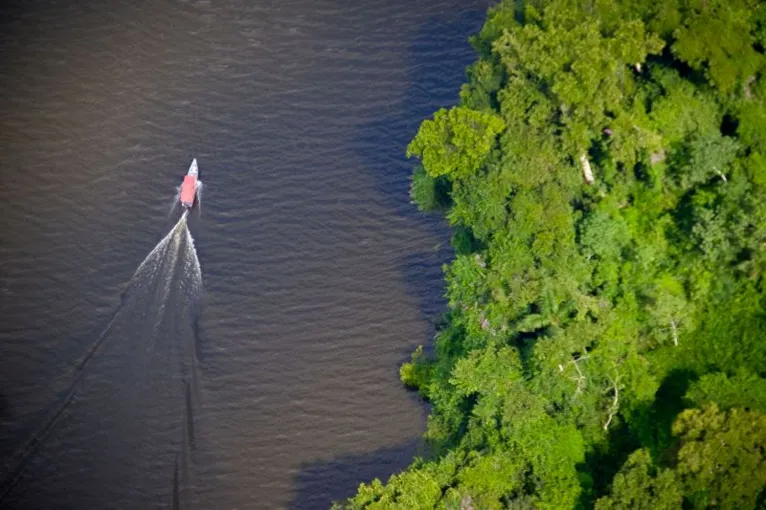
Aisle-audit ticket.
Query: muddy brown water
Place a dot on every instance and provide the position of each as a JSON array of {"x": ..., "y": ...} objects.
[{"x": 274, "y": 384}]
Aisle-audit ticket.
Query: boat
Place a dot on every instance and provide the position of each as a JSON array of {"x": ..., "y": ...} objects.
[{"x": 190, "y": 185}]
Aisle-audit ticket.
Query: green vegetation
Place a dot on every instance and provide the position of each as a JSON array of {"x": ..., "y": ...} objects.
[{"x": 605, "y": 176}]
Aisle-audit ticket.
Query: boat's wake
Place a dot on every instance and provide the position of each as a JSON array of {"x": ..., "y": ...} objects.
[
  {"x": 200, "y": 187},
  {"x": 158, "y": 305}
]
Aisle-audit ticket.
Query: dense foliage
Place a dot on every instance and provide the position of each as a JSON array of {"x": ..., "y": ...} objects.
[{"x": 605, "y": 176}]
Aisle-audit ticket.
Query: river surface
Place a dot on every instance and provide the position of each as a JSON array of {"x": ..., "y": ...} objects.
[{"x": 271, "y": 380}]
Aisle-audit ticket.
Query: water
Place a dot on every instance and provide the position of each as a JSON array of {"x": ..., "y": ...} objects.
[
  {"x": 161, "y": 296},
  {"x": 272, "y": 381}
]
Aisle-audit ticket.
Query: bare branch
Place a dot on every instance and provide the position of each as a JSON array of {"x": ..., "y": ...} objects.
[
  {"x": 580, "y": 379},
  {"x": 748, "y": 82},
  {"x": 675, "y": 332},
  {"x": 616, "y": 402},
  {"x": 586, "y": 169}
]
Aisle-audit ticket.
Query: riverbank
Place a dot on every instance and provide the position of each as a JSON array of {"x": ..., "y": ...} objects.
[{"x": 604, "y": 177}]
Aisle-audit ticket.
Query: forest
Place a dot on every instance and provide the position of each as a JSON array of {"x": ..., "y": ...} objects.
[{"x": 604, "y": 177}]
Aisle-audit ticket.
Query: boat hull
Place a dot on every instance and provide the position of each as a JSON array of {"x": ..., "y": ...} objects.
[
  {"x": 188, "y": 191},
  {"x": 189, "y": 186}
]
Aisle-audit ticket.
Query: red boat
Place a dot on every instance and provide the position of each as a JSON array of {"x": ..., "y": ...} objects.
[{"x": 190, "y": 185}]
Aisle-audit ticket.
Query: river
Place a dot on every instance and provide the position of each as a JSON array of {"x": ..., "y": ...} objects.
[{"x": 275, "y": 385}]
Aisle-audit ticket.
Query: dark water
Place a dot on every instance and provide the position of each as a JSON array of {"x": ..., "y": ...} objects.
[{"x": 275, "y": 385}]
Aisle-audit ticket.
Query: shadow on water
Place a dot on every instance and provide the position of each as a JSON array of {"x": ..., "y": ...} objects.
[
  {"x": 431, "y": 87},
  {"x": 425, "y": 278},
  {"x": 434, "y": 83},
  {"x": 319, "y": 484}
]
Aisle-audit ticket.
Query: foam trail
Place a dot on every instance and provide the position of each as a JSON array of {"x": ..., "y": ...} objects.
[
  {"x": 192, "y": 278},
  {"x": 176, "y": 483},
  {"x": 176, "y": 198},
  {"x": 154, "y": 255},
  {"x": 92, "y": 351},
  {"x": 193, "y": 357},
  {"x": 185, "y": 460},
  {"x": 27, "y": 451},
  {"x": 193, "y": 273},
  {"x": 168, "y": 257},
  {"x": 189, "y": 416},
  {"x": 196, "y": 269},
  {"x": 156, "y": 260},
  {"x": 200, "y": 186}
]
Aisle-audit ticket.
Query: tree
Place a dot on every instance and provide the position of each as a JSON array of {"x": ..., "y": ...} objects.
[
  {"x": 670, "y": 310},
  {"x": 640, "y": 485},
  {"x": 744, "y": 389},
  {"x": 456, "y": 142},
  {"x": 588, "y": 310},
  {"x": 427, "y": 193},
  {"x": 722, "y": 462},
  {"x": 718, "y": 36}
]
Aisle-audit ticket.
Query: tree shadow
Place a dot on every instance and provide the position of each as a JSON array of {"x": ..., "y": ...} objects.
[
  {"x": 433, "y": 83},
  {"x": 430, "y": 87},
  {"x": 656, "y": 430},
  {"x": 650, "y": 427},
  {"x": 425, "y": 279},
  {"x": 319, "y": 484}
]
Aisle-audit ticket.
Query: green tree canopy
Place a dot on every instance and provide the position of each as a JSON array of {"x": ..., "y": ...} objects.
[
  {"x": 605, "y": 175},
  {"x": 722, "y": 462},
  {"x": 456, "y": 142},
  {"x": 641, "y": 485}
]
